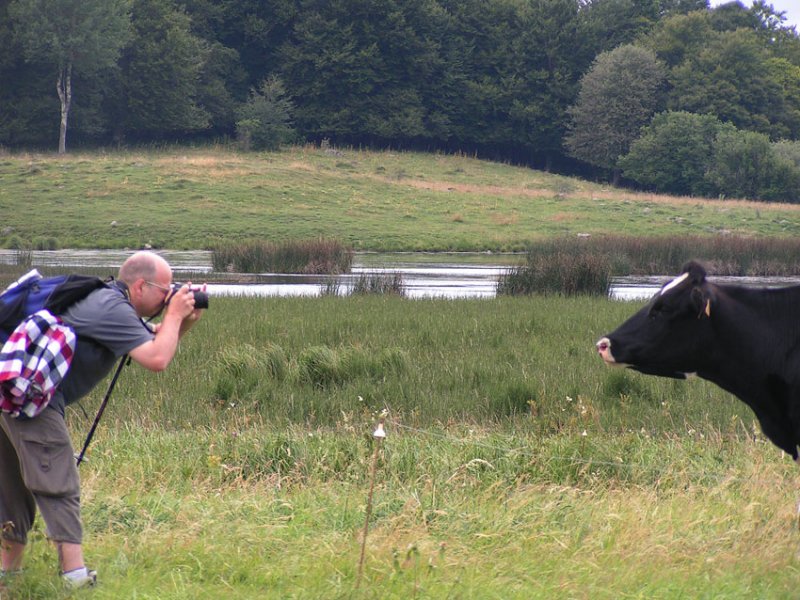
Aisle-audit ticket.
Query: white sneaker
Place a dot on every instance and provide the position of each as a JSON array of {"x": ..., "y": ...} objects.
[{"x": 80, "y": 578}]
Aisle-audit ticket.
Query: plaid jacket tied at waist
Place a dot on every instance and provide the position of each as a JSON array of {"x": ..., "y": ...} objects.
[{"x": 33, "y": 361}]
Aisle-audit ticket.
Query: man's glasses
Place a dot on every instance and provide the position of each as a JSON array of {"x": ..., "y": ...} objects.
[{"x": 156, "y": 285}]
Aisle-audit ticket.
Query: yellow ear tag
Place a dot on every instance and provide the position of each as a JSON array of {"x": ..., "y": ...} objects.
[{"x": 708, "y": 307}]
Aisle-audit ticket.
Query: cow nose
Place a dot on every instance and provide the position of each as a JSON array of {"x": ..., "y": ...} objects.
[{"x": 604, "y": 349}]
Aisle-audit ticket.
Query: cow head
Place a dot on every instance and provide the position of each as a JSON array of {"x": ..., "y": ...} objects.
[{"x": 665, "y": 337}]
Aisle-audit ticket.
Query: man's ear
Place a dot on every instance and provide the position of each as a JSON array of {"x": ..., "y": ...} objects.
[{"x": 136, "y": 288}]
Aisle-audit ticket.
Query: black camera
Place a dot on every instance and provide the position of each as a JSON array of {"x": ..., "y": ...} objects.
[{"x": 200, "y": 297}]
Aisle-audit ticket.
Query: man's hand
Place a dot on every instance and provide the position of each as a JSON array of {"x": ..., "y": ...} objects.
[{"x": 181, "y": 303}]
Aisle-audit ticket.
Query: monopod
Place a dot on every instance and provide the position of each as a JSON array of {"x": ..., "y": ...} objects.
[{"x": 79, "y": 457}]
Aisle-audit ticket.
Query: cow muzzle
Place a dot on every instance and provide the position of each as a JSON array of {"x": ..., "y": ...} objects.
[{"x": 604, "y": 350}]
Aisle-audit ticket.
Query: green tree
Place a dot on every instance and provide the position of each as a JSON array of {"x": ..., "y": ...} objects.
[
  {"x": 676, "y": 39},
  {"x": 617, "y": 97},
  {"x": 730, "y": 78},
  {"x": 220, "y": 77},
  {"x": 786, "y": 77},
  {"x": 71, "y": 36},
  {"x": 24, "y": 106},
  {"x": 745, "y": 165},
  {"x": 788, "y": 150},
  {"x": 256, "y": 30},
  {"x": 358, "y": 69},
  {"x": 481, "y": 62},
  {"x": 733, "y": 15},
  {"x": 612, "y": 23},
  {"x": 159, "y": 73},
  {"x": 673, "y": 154},
  {"x": 264, "y": 121},
  {"x": 546, "y": 67}
]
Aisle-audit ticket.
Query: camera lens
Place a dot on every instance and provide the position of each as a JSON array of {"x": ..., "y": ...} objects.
[{"x": 200, "y": 299}]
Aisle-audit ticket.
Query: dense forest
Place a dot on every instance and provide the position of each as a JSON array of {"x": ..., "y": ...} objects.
[{"x": 666, "y": 95}]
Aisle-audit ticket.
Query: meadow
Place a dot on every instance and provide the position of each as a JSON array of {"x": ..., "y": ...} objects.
[
  {"x": 184, "y": 198},
  {"x": 516, "y": 464}
]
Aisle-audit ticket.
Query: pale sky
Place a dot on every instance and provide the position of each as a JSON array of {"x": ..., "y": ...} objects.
[{"x": 791, "y": 7}]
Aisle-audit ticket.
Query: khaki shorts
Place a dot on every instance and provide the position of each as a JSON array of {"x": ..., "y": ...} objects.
[{"x": 38, "y": 469}]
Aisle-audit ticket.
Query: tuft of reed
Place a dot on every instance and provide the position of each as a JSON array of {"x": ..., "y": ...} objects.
[
  {"x": 585, "y": 265},
  {"x": 646, "y": 255},
  {"x": 240, "y": 369},
  {"x": 322, "y": 366},
  {"x": 567, "y": 274},
  {"x": 378, "y": 283},
  {"x": 315, "y": 256}
]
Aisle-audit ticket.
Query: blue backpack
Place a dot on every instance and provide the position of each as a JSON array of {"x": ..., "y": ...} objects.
[{"x": 32, "y": 292}]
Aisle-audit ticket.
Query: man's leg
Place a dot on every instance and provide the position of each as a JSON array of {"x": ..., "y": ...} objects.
[
  {"x": 70, "y": 555},
  {"x": 11, "y": 553},
  {"x": 17, "y": 506},
  {"x": 51, "y": 476}
]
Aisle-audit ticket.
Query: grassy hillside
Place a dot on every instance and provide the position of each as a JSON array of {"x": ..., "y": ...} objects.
[{"x": 192, "y": 199}]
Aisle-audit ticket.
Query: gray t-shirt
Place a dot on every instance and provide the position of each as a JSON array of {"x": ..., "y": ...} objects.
[{"x": 107, "y": 327}]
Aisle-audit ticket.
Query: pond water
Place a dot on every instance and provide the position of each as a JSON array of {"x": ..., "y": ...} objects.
[
  {"x": 424, "y": 275},
  {"x": 644, "y": 288},
  {"x": 195, "y": 261},
  {"x": 436, "y": 280}
]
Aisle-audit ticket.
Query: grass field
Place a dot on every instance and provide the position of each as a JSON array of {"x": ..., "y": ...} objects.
[
  {"x": 196, "y": 198},
  {"x": 516, "y": 464}
]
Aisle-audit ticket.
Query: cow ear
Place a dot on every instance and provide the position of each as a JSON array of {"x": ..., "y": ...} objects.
[
  {"x": 701, "y": 300},
  {"x": 697, "y": 274}
]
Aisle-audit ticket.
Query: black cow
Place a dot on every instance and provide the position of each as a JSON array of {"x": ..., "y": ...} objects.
[{"x": 745, "y": 340}]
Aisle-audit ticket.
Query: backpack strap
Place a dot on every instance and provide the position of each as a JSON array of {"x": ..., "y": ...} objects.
[{"x": 74, "y": 288}]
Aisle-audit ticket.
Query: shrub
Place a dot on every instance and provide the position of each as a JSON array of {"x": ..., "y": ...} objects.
[
  {"x": 49, "y": 243},
  {"x": 321, "y": 366},
  {"x": 745, "y": 165},
  {"x": 673, "y": 154},
  {"x": 723, "y": 255},
  {"x": 264, "y": 122}
]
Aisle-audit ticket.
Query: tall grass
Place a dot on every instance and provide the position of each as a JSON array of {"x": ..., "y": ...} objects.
[
  {"x": 516, "y": 464},
  {"x": 527, "y": 360},
  {"x": 316, "y": 256},
  {"x": 570, "y": 266},
  {"x": 639, "y": 255},
  {"x": 378, "y": 283},
  {"x": 253, "y": 511},
  {"x": 568, "y": 274}
]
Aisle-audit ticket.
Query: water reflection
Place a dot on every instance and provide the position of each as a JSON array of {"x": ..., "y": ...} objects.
[
  {"x": 198, "y": 261},
  {"x": 419, "y": 281},
  {"x": 424, "y": 275}
]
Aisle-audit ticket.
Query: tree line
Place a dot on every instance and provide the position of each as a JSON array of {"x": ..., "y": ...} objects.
[{"x": 669, "y": 95}]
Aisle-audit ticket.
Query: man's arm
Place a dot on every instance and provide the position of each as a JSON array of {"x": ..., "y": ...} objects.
[{"x": 180, "y": 316}]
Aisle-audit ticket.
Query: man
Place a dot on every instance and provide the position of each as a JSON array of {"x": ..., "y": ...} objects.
[{"x": 37, "y": 464}]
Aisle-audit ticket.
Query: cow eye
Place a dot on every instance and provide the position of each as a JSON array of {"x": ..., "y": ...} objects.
[{"x": 659, "y": 309}]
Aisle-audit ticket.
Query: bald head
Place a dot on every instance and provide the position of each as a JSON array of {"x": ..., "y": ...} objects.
[{"x": 143, "y": 265}]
